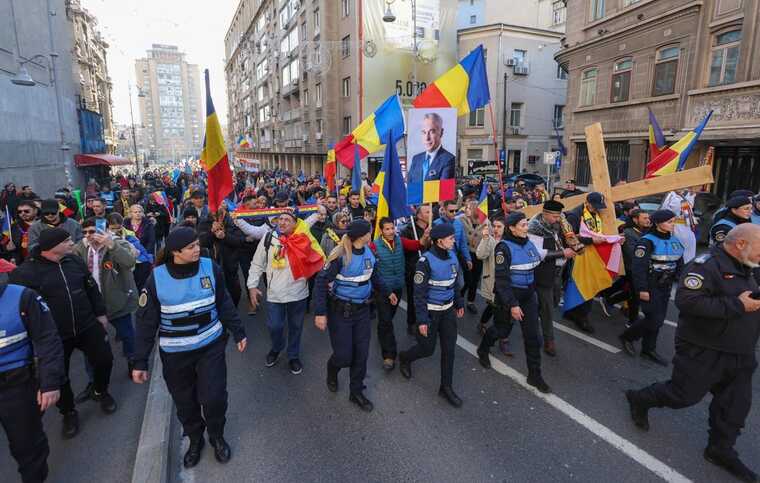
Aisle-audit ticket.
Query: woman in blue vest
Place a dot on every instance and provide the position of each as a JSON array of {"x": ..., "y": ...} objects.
[
  {"x": 516, "y": 258},
  {"x": 352, "y": 272},
  {"x": 738, "y": 211},
  {"x": 438, "y": 303},
  {"x": 656, "y": 263},
  {"x": 186, "y": 301}
]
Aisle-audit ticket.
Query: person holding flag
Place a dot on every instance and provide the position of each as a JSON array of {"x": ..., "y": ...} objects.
[{"x": 214, "y": 156}]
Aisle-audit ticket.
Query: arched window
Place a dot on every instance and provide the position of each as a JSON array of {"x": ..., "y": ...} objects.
[
  {"x": 665, "y": 70},
  {"x": 725, "y": 58},
  {"x": 621, "y": 80},
  {"x": 588, "y": 87}
]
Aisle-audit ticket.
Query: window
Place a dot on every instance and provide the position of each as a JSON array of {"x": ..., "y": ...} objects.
[
  {"x": 621, "y": 80},
  {"x": 515, "y": 115},
  {"x": 628, "y": 3},
  {"x": 561, "y": 72},
  {"x": 303, "y": 31},
  {"x": 520, "y": 56},
  {"x": 665, "y": 70},
  {"x": 346, "y": 87},
  {"x": 320, "y": 125},
  {"x": 318, "y": 95},
  {"x": 477, "y": 117},
  {"x": 305, "y": 97},
  {"x": 588, "y": 87},
  {"x": 345, "y": 46},
  {"x": 474, "y": 155},
  {"x": 344, "y": 8},
  {"x": 559, "y": 116},
  {"x": 316, "y": 21},
  {"x": 473, "y": 19},
  {"x": 725, "y": 58},
  {"x": 559, "y": 12},
  {"x": 260, "y": 93},
  {"x": 597, "y": 9},
  {"x": 346, "y": 125}
]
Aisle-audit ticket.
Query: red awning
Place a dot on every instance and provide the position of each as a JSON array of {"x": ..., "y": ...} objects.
[{"x": 82, "y": 160}]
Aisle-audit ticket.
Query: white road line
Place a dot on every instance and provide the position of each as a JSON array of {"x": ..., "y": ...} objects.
[
  {"x": 623, "y": 445},
  {"x": 585, "y": 338},
  {"x": 671, "y": 323}
]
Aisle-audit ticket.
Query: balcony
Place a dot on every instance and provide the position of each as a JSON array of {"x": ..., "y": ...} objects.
[
  {"x": 521, "y": 68},
  {"x": 291, "y": 88}
]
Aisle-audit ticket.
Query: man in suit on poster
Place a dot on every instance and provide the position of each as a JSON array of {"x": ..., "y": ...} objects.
[{"x": 435, "y": 162}]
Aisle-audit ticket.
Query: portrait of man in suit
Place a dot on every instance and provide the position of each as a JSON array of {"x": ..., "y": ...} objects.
[{"x": 435, "y": 162}]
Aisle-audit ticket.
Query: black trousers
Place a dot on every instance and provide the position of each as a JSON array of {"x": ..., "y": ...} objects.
[
  {"x": 197, "y": 382},
  {"x": 93, "y": 342},
  {"x": 443, "y": 324},
  {"x": 655, "y": 311},
  {"x": 411, "y": 316},
  {"x": 472, "y": 278},
  {"x": 350, "y": 332},
  {"x": 503, "y": 323},
  {"x": 141, "y": 273},
  {"x": 21, "y": 419},
  {"x": 698, "y": 370},
  {"x": 385, "y": 334},
  {"x": 487, "y": 313}
]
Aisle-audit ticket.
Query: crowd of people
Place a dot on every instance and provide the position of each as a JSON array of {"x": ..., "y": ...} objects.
[{"x": 148, "y": 257}]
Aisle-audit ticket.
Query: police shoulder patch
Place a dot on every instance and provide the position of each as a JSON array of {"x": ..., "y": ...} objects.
[
  {"x": 693, "y": 281},
  {"x": 499, "y": 259},
  {"x": 720, "y": 236},
  {"x": 143, "y": 300},
  {"x": 419, "y": 277},
  {"x": 640, "y": 252}
]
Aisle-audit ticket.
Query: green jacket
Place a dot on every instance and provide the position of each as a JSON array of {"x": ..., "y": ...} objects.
[{"x": 117, "y": 284}]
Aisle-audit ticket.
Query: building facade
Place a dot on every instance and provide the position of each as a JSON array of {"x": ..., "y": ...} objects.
[
  {"x": 679, "y": 58},
  {"x": 169, "y": 97}
]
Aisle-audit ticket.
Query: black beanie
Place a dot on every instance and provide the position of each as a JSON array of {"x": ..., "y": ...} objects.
[
  {"x": 51, "y": 237},
  {"x": 358, "y": 228},
  {"x": 179, "y": 238},
  {"x": 515, "y": 217},
  {"x": 441, "y": 230},
  {"x": 661, "y": 216}
]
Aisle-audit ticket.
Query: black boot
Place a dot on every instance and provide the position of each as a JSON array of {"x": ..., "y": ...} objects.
[
  {"x": 70, "y": 424},
  {"x": 536, "y": 380},
  {"x": 628, "y": 346},
  {"x": 639, "y": 410},
  {"x": 222, "y": 450},
  {"x": 86, "y": 394},
  {"x": 484, "y": 356},
  {"x": 193, "y": 454},
  {"x": 448, "y": 394},
  {"x": 361, "y": 401},
  {"x": 729, "y": 461},
  {"x": 332, "y": 377},
  {"x": 404, "y": 366}
]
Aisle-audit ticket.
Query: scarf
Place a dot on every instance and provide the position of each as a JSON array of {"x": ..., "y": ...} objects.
[{"x": 593, "y": 220}]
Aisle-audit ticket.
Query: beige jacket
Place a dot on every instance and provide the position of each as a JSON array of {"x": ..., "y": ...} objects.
[
  {"x": 484, "y": 252},
  {"x": 473, "y": 231}
]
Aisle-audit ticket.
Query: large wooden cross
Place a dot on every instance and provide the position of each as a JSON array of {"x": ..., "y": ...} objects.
[{"x": 600, "y": 177}]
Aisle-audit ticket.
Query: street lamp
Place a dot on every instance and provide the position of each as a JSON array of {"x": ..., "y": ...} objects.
[
  {"x": 140, "y": 93},
  {"x": 389, "y": 17}
]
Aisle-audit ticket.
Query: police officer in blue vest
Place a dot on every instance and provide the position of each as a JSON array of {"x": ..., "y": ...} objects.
[
  {"x": 657, "y": 261},
  {"x": 515, "y": 260},
  {"x": 31, "y": 373},
  {"x": 738, "y": 211},
  {"x": 352, "y": 271},
  {"x": 186, "y": 301},
  {"x": 438, "y": 303}
]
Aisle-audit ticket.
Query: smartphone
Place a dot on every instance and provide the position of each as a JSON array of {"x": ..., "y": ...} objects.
[{"x": 101, "y": 225}]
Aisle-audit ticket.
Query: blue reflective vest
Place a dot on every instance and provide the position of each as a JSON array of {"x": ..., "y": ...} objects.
[
  {"x": 189, "y": 319},
  {"x": 390, "y": 263},
  {"x": 353, "y": 283},
  {"x": 525, "y": 258},
  {"x": 15, "y": 346},
  {"x": 442, "y": 280},
  {"x": 724, "y": 221},
  {"x": 755, "y": 218},
  {"x": 665, "y": 253}
]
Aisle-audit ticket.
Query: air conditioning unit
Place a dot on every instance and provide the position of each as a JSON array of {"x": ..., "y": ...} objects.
[
  {"x": 305, "y": 138},
  {"x": 521, "y": 69},
  {"x": 510, "y": 61},
  {"x": 318, "y": 136}
]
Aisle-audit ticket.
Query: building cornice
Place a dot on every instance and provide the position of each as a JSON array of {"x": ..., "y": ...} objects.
[
  {"x": 501, "y": 27},
  {"x": 724, "y": 88},
  {"x": 632, "y": 102}
]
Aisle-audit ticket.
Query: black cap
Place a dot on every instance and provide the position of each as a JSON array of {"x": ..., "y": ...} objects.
[
  {"x": 441, "y": 230},
  {"x": 189, "y": 212},
  {"x": 747, "y": 193},
  {"x": 358, "y": 228},
  {"x": 52, "y": 237},
  {"x": 661, "y": 216},
  {"x": 738, "y": 201},
  {"x": 515, "y": 217},
  {"x": 179, "y": 238},
  {"x": 596, "y": 200},
  {"x": 281, "y": 196},
  {"x": 49, "y": 207},
  {"x": 552, "y": 206},
  {"x": 198, "y": 194}
]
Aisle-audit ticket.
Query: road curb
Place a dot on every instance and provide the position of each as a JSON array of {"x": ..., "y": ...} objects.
[{"x": 152, "y": 458}]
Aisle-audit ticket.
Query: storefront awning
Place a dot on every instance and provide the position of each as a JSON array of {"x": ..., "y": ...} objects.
[{"x": 82, "y": 160}]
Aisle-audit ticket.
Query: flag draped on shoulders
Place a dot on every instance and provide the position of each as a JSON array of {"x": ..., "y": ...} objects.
[
  {"x": 673, "y": 158},
  {"x": 302, "y": 252},
  {"x": 214, "y": 156},
  {"x": 593, "y": 269},
  {"x": 368, "y": 135},
  {"x": 330, "y": 170}
]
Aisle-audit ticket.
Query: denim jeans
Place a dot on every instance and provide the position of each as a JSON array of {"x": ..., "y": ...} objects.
[{"x": 292, "y": 313}]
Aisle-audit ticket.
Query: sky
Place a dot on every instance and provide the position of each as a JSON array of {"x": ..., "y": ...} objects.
[{"x": 132, "y": 26}]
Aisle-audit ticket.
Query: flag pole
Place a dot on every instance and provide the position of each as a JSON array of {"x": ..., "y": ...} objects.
[
  {"x": 498, "y": 161},
  {"x": 413, "y": 216}
]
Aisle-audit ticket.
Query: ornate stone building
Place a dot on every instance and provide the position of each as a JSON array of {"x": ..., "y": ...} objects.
[{"x": 681, "y": 59}]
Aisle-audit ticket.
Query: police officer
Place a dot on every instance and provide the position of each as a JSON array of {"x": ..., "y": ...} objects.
[
  {"x": 516, "y": 258},
  {"x": 656, "y": 263},
  {"x": 185, "y": 299},
  {"x": 351, "y": 269},
  {"x": 738, "y": 211},
  {"x": 718, "y": 330},
  {"x": 28, "y": 335},
  {"x": 437, "y": 283}
]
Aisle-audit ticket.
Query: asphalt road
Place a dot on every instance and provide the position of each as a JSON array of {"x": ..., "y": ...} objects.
[
  {"x": 285, "y": 427},
  {"x": 104, "y": 450}
]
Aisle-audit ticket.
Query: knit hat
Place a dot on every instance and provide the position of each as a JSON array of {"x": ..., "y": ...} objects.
[
  {"x": 49, "y": 207},
  {"x": 745, "y": 193},
  {"x": 358, "y": 228},
  {"x": 441, "y": 230},
  {"x": 552, "y": 206},
  {"x": 515, "y": 217},
  {"x": 188, "y": 212},
  {"x": 179, "y": 238},
  {"x": 661, "y": 216},
  {"x": 52, "y": 237},
  {"x": 738, "y": 201}
]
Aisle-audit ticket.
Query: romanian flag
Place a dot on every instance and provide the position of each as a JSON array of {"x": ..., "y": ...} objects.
[
  {"x": 422, "y": 191},
  {"x": 656, "y": 138},
  {"x": 214, "y": 156},
  {"x": 303, "y": 211},
  {"x": 67, "y": 212},
  {"x": 331, "y": 170},
  {"x": 302, "y": 251},
  {"x": 593, "y": 270},
  {"x": 465, "y": 86},
  {"x": 243, "y": 142},
  {"x": 161, "y": 198},
  {"x": 483, "y": 204},
  {"x": 674, "y": 158},
  {"x": 367, "y": 135},
  {"x": 6, "y": 233},
  {"x": 391, "y": 201},
  {"x": 356, "y": 176}
]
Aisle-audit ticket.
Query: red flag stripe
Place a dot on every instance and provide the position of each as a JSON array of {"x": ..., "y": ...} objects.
[{"x": 431, "y": 97}]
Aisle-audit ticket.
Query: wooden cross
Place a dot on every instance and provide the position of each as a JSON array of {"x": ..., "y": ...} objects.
[{"x": 600, "y": 177}]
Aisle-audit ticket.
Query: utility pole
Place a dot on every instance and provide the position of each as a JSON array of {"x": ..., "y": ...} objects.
[
  {"x": 134, "y": 136},
  {"x": 504, "y": 126}
]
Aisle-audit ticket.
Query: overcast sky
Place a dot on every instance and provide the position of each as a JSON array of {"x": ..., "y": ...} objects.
[{"x": 132, "y": 26}]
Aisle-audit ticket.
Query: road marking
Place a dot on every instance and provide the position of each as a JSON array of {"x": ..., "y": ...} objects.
[
  {"x": 621, "y": 444},
  {"x": 671, "y": 323},
  {"x": 585, "y": 338}
]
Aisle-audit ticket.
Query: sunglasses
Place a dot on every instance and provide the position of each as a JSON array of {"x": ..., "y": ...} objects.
[
  {"x": 24, "y": 212},
  {"x": 452, "y": 211}
]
